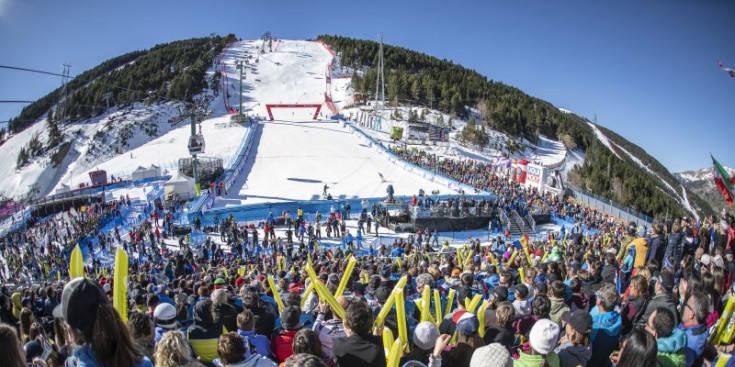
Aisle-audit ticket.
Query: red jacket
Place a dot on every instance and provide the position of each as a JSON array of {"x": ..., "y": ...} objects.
[{"x": 283, "y": 344}]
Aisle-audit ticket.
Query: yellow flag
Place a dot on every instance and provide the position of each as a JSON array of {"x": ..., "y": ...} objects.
[
  {"x": 76, "y": 263},
  {"x": 120, "y": 295}
]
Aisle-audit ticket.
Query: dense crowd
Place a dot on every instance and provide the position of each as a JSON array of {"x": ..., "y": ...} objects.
[{"x": 624, "y": 296}]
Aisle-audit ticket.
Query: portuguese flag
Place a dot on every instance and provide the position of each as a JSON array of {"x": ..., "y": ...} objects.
[{"x": 724, "y": 182}]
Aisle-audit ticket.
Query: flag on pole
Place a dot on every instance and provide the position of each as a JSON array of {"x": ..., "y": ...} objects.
[
  {"x": 76, "y": 263},
  {"x": 723, "y": 181},
  {"x": 728, "y": 70},
  {"x": 120, "y": 292}
]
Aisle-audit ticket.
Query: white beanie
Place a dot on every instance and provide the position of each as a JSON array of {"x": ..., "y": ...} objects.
[
  {"x": 492, "y": 355},
  {"x": 543, "y": 336},
  {"x": 425, "y": 335}
]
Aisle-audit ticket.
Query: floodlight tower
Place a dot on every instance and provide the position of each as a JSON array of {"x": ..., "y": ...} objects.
[{"x": 380, "y": 80}]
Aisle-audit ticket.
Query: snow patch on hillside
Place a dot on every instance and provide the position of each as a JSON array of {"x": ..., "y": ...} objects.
[{"x": 603, "y": 138}]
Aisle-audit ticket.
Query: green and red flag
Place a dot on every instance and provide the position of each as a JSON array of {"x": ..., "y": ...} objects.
[{"x": 724, "y": 182}]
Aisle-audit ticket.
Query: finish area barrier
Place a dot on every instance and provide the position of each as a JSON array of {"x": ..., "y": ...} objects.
[{"x": 268, "y": 107}]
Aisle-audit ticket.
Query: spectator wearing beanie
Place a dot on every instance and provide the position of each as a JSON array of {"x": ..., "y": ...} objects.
[
  {"x": 424, "y": 337},
  {"x": 575, "y": 347},
  {"x": 493, "y": 355},
  {"x": 164, "y": 317},
  {"x": 542, "y": 339},
  {"x": 204, "y": 333}
]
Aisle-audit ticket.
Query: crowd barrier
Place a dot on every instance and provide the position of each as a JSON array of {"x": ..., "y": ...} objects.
[
  {"x": 610, "y": 207},
  {"x": 258, "y": 212}
]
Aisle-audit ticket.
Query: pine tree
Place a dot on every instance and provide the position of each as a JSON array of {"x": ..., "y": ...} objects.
[{"x": 54, "y": 134}]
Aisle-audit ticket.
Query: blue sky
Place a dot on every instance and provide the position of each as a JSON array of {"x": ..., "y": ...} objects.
[{"x": 646, "y": 69}]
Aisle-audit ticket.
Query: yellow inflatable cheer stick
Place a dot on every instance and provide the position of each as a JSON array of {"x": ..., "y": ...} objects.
[
  {"x": 473, "y": 304},
  {"x": 396, "y": 352},
  {"x": 401, "y": 317},
  {"x": 512, "y": 257},
  {"x": 437, "y": 306},
  {"x": 387, "y": 340},
  {"x": 528, "y": 257},
  {"x": 276, "y": 295},
  {"x": 481, "y": 319},
  {"x": 426, "y": 307},
  {"x": 522, "y": 274},
  {"x": 323, "y": 292},
  {"x": 345, "y": 276},
  {"x": 450, "y": 300},
  {"x": 494, "y": 261},
  {"x": 390, "y": 301}
]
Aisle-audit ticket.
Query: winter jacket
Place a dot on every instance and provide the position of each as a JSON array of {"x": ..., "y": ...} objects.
[
  {"x": 573, "y": 355},
  {"x": 328, "y": 331},
  {"x": 255, "y": 342},
  {"x": 86, "y": 357},
  {"x": 558, "y": 307},
  {"x": 227, "y": 315},
  {"x": 656, "y": 250},
  {"x": 534, "y": 360},
  {"x": 696, "y": 342},
  {"x": 665, "y": 300},
  {"x": 283, "y": 344},
  {"x": 671, "y": 349},
  {"x": 605, "y": 336},
  {"x": 674, "y": 248},
  {"x": 631, "y": 312},
  {"x": 204, "y": 334},
  {"x": 641, "y": 249}
]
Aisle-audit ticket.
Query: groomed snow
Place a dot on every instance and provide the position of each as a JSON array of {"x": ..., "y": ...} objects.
[{"x": 294, "y": 160}]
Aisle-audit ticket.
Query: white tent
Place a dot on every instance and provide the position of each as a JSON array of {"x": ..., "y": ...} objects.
[
  {"x": 179, "y": 187},
  {"x": 142, "y": 172}
]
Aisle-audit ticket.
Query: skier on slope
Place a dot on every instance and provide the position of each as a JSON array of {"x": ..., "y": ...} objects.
[{"x": 382, "y": 179}]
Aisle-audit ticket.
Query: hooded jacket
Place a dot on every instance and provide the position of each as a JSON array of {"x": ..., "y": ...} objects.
[
  {"x": 573, "y": 355},
  {"x": 671, "y": 349},
  {"x": 534, "y": 360},
  {"x": 557, "y": 308},
  {"x": 696, "y": 342},
  {"x": 605, "y": 336}
]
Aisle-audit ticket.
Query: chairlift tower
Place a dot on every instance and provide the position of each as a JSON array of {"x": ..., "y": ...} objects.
[
  {"x": 196, "y": 146},
  {"x": 62, "y": 106}
]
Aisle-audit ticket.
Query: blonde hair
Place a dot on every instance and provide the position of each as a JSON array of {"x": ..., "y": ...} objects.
[{"x": 172, "y": 350}]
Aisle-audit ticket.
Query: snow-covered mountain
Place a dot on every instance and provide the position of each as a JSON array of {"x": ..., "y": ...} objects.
[{"x": 702, "y": 182}]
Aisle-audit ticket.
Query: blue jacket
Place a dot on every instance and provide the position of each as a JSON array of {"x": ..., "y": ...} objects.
[
  {"x": 671, "y": 349},
  {"x": 696, "y": 340},
  {"x": 605, "y": 336},
  {"x": 86, "y": 357},
  {"x": 260, "y": 342}
]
